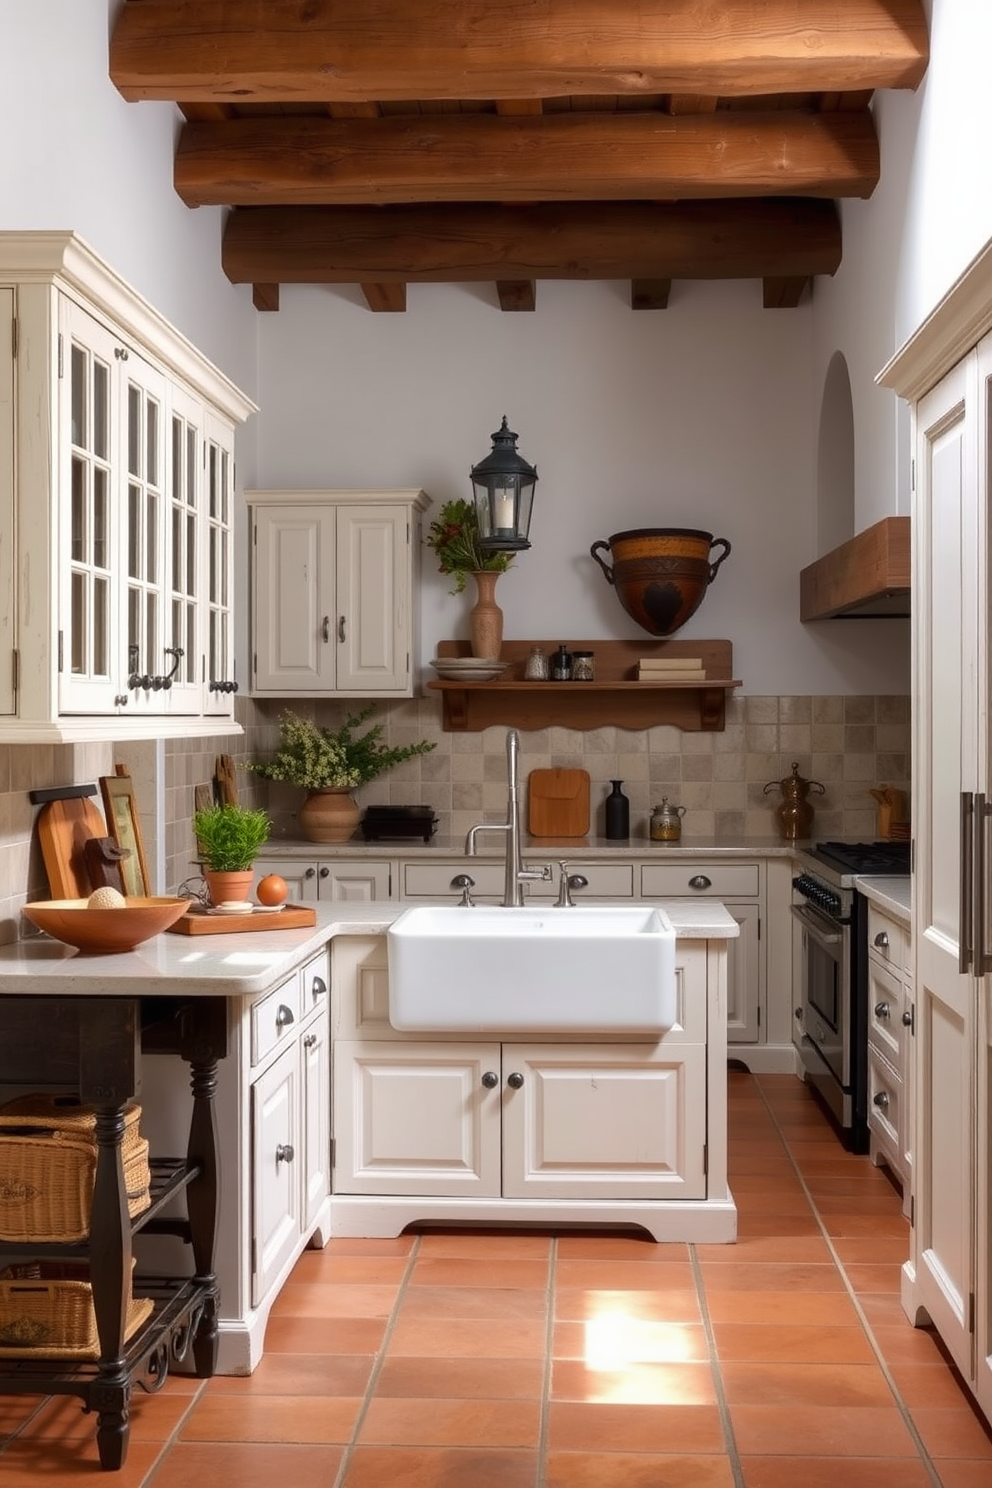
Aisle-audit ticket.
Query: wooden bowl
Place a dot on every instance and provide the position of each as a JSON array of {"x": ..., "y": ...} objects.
[{"x": 105, "y": 931}]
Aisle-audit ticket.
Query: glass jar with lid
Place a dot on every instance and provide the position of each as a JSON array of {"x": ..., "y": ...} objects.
[
  {"x": 583, "y": 666},
  {"x": 666, "y": 822}
]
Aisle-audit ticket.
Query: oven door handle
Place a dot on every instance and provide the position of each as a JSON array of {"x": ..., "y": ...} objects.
[{"x": 814, "y": 925}]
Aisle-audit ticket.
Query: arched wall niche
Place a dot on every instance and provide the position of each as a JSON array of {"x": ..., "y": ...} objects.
[{"x": 835, "y": 459}]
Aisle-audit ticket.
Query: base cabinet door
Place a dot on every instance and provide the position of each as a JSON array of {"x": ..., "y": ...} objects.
[
  {"x": 624, "y": 1121},
  {"x": 276, "y": 1195},
  {"x": 316, "y": 1109},
  {"x": 417, "y": 1118},
  {"x": 337, "y": 881}
]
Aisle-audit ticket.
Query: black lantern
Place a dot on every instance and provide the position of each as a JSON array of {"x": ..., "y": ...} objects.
[{"x": 503, "y": 487}]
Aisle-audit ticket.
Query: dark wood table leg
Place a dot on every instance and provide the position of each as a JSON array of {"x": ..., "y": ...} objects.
[{"x": 204, "y": 1042}]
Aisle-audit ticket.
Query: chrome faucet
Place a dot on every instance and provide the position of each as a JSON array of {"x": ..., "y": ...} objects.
[{"x": 516, "y": 874}]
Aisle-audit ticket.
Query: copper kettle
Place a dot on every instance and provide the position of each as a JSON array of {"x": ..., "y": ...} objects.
[{"x": 795, "y": 810}]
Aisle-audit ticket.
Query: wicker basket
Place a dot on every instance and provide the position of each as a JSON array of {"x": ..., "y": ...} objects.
[
  {"x": 46, "y": 1312},
  {"x": 48, "y": 1167}
]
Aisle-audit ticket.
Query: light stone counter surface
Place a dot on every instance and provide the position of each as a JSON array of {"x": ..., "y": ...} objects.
[
  {"x": 570, "y": 848},
  {"x": 893, "y": 895},
  {"x": 242, "y": 964}
]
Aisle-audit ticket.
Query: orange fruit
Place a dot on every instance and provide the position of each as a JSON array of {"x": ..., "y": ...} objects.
[{"x": 272, "y": 889}]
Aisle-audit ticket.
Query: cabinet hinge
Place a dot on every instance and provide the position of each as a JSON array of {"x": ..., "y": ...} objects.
[
  {"x": 60, "y": 650},
  {"x": 61, "y": 363},
  {"x": 13, "y": 338}
]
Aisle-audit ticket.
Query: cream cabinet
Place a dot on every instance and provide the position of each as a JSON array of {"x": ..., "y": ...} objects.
[
  {"x": 290, "y": 1121},
  {"x": 340, "y": 880},
  {"x": 335, "y": 592},
  {"x": 116, "y": 504},
  {"x": 613, "y": 1131},
  {"x": 740, "y": 887},
  {"x": 945, "y": 372},
  {"x": 890, "y": 1028}
]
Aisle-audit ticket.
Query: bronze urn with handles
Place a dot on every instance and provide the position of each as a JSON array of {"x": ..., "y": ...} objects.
[{"x": 795, "y": 810}]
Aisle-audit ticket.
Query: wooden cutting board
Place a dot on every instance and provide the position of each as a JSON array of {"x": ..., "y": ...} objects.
[
  {"x": 558, "y": 803},
  {"x": 64, "y": 827},
  {"x": 198, "y": 922}
]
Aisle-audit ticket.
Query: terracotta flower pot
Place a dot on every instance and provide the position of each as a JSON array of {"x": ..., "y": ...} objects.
[
  {"x": 661, "y": 574},
  {"x": 226, "y": 888},
  {"x": 329, "y": 815}
]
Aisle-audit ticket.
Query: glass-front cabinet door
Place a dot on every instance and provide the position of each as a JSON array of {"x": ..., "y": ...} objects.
[
  {"x": 185, "y": 524},
  {"x": 144, "y": 537},
  {"x": 219, "y": 684}
]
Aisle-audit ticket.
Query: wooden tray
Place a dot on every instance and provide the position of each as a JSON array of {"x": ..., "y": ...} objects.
[{"x": 198, "y": 922}]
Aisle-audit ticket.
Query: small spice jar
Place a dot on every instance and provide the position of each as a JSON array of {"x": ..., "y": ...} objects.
[
  {"x": 583, "y": 666},
  {"x": 666, "y": 822},
  {"x": 536, "y": 669},
  {"x": 561, "y": 664}
]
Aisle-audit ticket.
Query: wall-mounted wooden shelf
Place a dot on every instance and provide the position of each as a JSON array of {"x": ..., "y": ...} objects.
[{"x": 616, "y": 697}]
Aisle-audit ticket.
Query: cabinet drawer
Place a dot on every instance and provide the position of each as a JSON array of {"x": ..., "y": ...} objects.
[
  {"x": 707, "y": 880},
  {"x": 606, "y": 880},
  {"x": 276, "y": 1017},
  {"x": 885, "y": 1111},
  {"x": 886, "y": 1005},
  {"x": 315, "y": 978},
  {"x": 888, "y": 941},
  {"x": 433, "y": 880}
]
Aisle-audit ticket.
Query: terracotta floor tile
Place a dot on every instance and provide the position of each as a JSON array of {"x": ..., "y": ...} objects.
[
  {"x": 786, "y": 1342},
  {"x": 473, "y": 1302},
  {"x": 483, "y": 1423},
  {"x": 770, "y": 1249},
  {"x": 273, "y": 1418},
  {"x": 621, "y": 1276},
  {"x": 963, "y": 1474},
  {"x": 867, "y": 1203},
  {"x": 772, "y": 1203},
  {"x": 577, "y": 1304},
  {"x": 325, "y": 1300},
  {"x": 823, "y": 1472},
  {"x": 954, "y": 1433},
  {"x": 871, "y": 1250},
  {"x": 908, "y": 1345},
  {"x": 502, "y": 1338},
  {"x": 478, "y": 1245},
  {"x": 821, "y": 1431},
  {"x": 320, "y": 1266},
  {"x": 868, "y": 1180},
  {"x": 619, "y": 1248},
  {"x": 785, "y": 1385},
  {"x": 931, "y": 1385},
  {"x": 576, "y": 1426},
  {"x": 356, "y": 1245},
  {"x": 636, "y": 1384},
  {"x": 462, "y": 1379},
  {"x": 153, "y": 1419},
  {"x": 757, "y": 1225},
  {"x": 298, "y": 1374},
  {"x": 449, "y": 1467},
  {"x": 867, "y": 1225},
  {"x": 781, "y": 1307},
  {"x": 70, "y": 1462},
  {"x": 764, "y": 1277},
  {"x": 296, "y": 1335},
  {"x": 634, "y": 1470},
  {"x": 245, "y": 1464},
  {"x": 630, "y": 1341},
  {"x": 476, "y": 1271},
  {"x": 874, "y": 1279}
]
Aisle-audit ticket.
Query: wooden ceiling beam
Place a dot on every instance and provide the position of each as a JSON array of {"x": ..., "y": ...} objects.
[
  {"x": 232, "y": 51},
  {"x": 551, "y": 157},
  {"x": 779, "y": 239},
  {"x": 385, "y": 298},
  {"x": 516, "y": 294},
  {"x": 650, "y": 294}
]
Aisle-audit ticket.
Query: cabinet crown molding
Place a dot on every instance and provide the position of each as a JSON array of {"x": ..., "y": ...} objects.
[{"x": 956, "y": 323}]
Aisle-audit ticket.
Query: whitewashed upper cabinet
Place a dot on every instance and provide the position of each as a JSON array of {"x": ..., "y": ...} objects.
[
  {"x": 334, "y": 592},
  {"x": 116, "y": 508}
]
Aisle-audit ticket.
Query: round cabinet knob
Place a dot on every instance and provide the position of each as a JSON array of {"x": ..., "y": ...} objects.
[
  {"x": 881, "y": 1100},
  {"x": 907, "y": 1019},
  {"x": 285, "y": 1152},
  {"x": 325, "y": 872},
  {"x": 284, "y": 1016},
  {"x": 882, "y": 940},
  {"x": 309, "y": 873},
  {"x": 799, "y": 1015},
  {"x": 309, "y": 1041},
  {"x": 700, "y": 881},
  {"x": 515, "y": 1080},
  {"x": 490, "y": 1079},
  {"x": 882, "y": 1010}
]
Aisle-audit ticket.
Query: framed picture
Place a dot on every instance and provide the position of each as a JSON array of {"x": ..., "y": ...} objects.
[{"x": 121, "y": 811}]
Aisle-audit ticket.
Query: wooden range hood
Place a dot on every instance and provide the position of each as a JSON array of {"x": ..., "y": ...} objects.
[{"x": 867, "y": 577}]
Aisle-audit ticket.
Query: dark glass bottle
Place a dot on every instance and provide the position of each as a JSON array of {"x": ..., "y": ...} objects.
[
  {"x": 561, "y": 664},
  {"x": 617, "y": 814}
]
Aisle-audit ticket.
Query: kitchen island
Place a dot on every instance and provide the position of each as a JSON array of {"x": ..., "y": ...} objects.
[{"x": 272, "y": 1063}]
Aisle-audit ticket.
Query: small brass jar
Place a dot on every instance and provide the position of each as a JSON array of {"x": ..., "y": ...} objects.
[{"x": 666, "y": 822}]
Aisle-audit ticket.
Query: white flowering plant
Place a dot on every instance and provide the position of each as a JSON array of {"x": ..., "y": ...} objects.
[{"x": 318, "y": 758}]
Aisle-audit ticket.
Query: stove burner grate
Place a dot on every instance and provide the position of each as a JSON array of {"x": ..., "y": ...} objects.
[{"x": 867, "y": 857}]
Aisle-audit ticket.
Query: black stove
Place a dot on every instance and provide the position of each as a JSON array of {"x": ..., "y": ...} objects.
[{"x": 883, "y": 859}]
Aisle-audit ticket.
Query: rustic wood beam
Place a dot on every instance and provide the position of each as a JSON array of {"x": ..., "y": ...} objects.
[
  {"x": 385, "y": 297},
  {"x": 239, "y": 50},
  {"x": 650, "y": 294},
  {"x": 265, "y": 296},
  {"x": 551, "y": 157},
  {"x": 516, "y": 294},
  {"x": 591, "y": 240}
]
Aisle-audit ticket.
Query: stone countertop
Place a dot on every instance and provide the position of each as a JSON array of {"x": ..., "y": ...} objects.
[
  {"x": 242, "y": 964},
  {"x": 571, "y": 848},
  {"x": 893, "y": 895}
]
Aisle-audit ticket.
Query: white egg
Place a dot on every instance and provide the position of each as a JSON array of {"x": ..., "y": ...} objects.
[{"x": 106, "y": 898}]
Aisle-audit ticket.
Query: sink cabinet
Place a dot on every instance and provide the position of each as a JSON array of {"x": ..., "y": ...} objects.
[
  {"x": 116, "y": 508},
  {"x": 615, "y": 1131},
  {"x": 334, "y": 880}
]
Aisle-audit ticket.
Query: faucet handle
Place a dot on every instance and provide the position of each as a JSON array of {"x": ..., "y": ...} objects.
[{"x": 466, "y": 884}]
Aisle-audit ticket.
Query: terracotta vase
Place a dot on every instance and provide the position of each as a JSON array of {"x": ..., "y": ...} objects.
[
  {"x": 329, "y": 815},
  {"x": 225, "y": 888},
  {"x": 486, "y": 618}
]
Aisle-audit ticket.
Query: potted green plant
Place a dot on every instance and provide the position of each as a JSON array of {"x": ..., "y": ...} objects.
[
  {"x": 228, "y": 838},
  {"x": 328, "y": 764},
  {"x": 453, "y": 537}
]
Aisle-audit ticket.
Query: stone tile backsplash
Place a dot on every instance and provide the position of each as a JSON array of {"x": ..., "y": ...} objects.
[{"x": 848, "y": 744}]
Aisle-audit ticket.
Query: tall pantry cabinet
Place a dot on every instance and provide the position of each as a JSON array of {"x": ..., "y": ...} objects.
[{"x": 945, "y": 372}]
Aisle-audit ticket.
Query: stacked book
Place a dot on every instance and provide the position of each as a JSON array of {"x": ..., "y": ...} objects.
[{"x": 671, "y": 669}]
